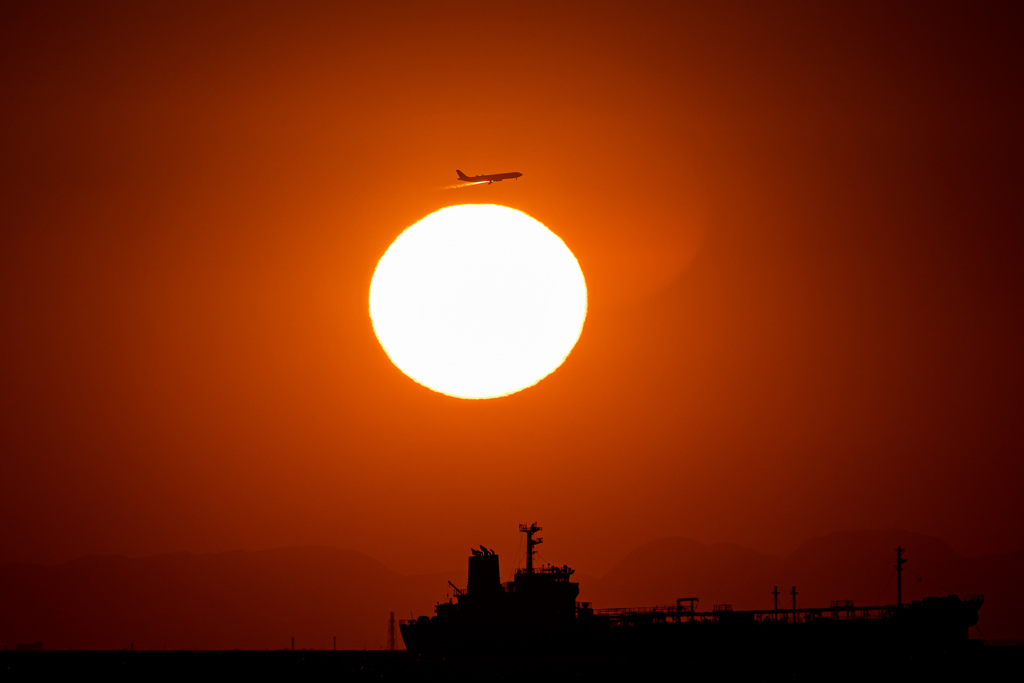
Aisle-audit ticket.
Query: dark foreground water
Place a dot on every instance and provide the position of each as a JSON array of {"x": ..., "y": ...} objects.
[{"x": 980, "y": 664}]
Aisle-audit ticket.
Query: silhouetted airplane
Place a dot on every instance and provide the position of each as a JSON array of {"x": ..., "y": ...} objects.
[{"x": 487, "y": 178}]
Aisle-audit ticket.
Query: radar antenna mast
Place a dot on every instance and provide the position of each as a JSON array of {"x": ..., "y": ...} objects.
[
  {"x": 899, "y": 576},
  {"x": 530, "y": 542}
]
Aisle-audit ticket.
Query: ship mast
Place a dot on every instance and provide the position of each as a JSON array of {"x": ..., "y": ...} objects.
[
  {"x": 530, "y": 542},
  {"x": 899, "y": 576}
]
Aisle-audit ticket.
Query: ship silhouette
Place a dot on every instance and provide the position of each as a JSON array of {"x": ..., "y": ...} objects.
[{"x": 538, "y": 612}]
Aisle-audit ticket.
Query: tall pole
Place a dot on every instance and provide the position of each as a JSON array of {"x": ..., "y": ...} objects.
[
  {"x": 775, "y": 593},
  {"x": 899, "y": 576},
  {"x": 530, "y": 542},
  {"x": 793, "y": 593}
]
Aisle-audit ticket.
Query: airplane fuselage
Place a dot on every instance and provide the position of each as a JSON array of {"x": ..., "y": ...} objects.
[{"x": 492, "y": 178}]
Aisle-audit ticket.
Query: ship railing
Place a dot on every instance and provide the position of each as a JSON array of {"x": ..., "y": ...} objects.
[
  {"x": 841, "y": 612},
  {"x": 658, "y": 609},
  {"x": 672, "y": 614},
  {"x": 651, "y": 614},
  {"x": 560, "y": 573}
]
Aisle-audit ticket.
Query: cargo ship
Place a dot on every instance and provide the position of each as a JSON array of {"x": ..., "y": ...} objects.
[{"x": 538, "y": 612}]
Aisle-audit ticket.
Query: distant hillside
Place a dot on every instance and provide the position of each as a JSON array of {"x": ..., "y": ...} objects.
[
  {"x": 661, "y": 571},
  {"x": 248, "y": 600},
  {"x": 260, "y": 600}
]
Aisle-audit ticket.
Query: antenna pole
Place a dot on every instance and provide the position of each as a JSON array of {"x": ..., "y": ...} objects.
[
  {"x": 899, "y": 576},
  {"x": 530, "y": 543}
]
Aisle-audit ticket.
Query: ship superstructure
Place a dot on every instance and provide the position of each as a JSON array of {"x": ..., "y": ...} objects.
[{"x": 536, "y": 608}]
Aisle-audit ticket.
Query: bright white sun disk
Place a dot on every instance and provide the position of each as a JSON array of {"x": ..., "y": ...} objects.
[{"x": 478, "y": 301}]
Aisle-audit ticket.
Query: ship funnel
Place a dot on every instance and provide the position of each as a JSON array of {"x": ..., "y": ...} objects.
[{"x": 484, "y": 576}]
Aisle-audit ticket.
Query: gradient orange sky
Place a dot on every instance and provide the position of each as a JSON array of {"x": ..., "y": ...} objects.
[{"x": 800, "y": 226}]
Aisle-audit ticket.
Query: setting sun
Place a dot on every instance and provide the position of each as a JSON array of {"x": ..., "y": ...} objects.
[{"x": 478, "y": 301}]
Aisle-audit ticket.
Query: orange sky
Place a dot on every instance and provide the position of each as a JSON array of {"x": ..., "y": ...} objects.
[{"x": 800, "y": 227}]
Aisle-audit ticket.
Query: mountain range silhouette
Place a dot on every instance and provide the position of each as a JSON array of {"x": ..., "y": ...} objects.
[{"x": 262, "y": 599}]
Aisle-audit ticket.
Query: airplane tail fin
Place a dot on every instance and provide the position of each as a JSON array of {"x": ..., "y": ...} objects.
[{"x": 462, "y": 176}]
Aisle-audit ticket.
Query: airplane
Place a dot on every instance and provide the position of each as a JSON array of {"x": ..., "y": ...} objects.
[{"x": 487, "y": 178}]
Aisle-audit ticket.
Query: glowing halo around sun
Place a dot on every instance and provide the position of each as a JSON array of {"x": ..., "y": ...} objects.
[{"x": 478, "y": 301}]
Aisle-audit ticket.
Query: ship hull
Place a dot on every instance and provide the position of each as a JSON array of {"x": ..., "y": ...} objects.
[{"x": 940, "y": 629}]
